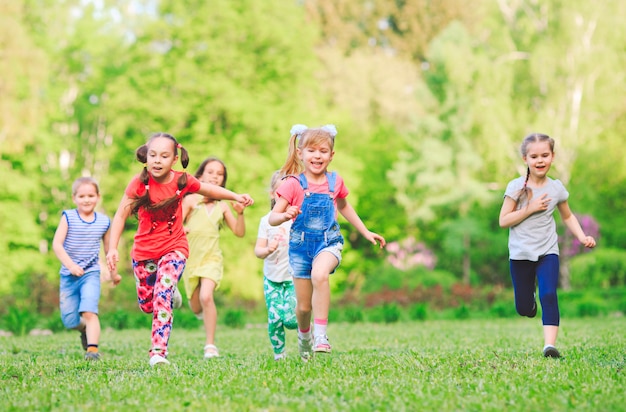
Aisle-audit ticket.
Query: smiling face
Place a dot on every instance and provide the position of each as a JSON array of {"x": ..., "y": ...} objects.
[
  {"x": 316, "y": 158},
  {"x": 213, "y": 173},
  {"x": 86, "y": 198},
  {"x": 539, "y": 156},
  {"x": 160, "y": 158}
]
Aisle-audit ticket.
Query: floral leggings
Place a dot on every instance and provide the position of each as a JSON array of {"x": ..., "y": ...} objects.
[
  {"x": 155, "y": 282},
  {"x": 280, "y": 300}
]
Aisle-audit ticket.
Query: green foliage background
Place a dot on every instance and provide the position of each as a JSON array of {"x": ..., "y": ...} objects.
[{"x": 431, "y": 100}]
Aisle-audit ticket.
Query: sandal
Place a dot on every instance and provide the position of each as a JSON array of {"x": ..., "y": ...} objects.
[{"x": 210, "y": 351}]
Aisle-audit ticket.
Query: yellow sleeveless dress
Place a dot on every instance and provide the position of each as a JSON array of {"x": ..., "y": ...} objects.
[{"x": 205, "y": 255}]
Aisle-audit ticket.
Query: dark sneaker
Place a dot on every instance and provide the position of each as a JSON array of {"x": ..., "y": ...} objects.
[
  {"x": 551, "y": 352},
  {"x": 92, "y": 356},
  {"x": 534, "y": 311},
  {"x": 305, "y": 347},
  {"x": 83, "y": 339}
]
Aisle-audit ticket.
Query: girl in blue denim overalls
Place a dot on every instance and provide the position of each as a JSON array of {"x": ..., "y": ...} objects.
[{"x": 312, "y": 197}]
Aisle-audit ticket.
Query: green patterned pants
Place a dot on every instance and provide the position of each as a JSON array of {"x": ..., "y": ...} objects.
[{"x": 280, "y": 299}]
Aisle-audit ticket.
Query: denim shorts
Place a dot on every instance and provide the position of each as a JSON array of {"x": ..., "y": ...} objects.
[
  {"x": 303, "y": 250},
  {"x": 78, "y": 294}
]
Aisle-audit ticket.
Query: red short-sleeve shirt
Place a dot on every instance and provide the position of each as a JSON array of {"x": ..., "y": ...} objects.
[{"x": 160, "y": 232}]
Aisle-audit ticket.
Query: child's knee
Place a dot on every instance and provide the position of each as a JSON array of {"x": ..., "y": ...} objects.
[
  {"x": 146, "y": 307},
  {"x": 304, "y": 307},
  {"x": 71, "y": 320}
]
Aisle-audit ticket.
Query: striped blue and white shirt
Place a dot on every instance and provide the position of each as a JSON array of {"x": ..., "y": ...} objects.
[{"x": 82, "y": 242}]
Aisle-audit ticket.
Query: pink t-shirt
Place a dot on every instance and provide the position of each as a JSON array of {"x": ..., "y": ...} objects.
[
  {"x": 293, "y": 193},
  {"x": 153, "y": 238}
]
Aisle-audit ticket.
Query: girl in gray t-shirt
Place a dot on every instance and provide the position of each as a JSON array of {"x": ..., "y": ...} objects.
[{"x": 528, "y": 212}]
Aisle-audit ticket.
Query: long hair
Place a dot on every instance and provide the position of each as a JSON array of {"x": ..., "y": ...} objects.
[
  {"x": 142, "y": 156},
  {"x": 525, "y": 194}
]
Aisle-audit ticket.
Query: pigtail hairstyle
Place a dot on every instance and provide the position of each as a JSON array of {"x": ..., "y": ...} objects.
[
  {"x": 301, "y": 137},
  {"x": 141, "y": 154},
  {"x": 525, "y": 193}
]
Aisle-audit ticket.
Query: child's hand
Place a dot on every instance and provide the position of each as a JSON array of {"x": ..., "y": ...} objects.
[
  {"x": 272, "y": 246},
  {"x": 116, "y": 279},
  {"x": 292, "y": 212},
  {"x": 245, "y": 199},
  {"x": 239, "y": 207},
  {"x": 112, "y": 259},
  {"x": 539, "y": 204},
  {"x": 588, "y": 241},
  {"x": 376, "y": 239},
  {"x": 76, "y": 270}
]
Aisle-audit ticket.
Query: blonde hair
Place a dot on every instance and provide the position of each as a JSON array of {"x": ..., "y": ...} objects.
[
  {"x": 275, "y": 182},
  {"x": 85, "y": 180}
]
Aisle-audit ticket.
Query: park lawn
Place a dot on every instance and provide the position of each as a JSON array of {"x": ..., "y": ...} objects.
[{"x": 448, "y": 365}]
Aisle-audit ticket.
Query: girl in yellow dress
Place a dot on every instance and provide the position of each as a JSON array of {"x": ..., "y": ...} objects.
[{"x": 203, "y": 218}]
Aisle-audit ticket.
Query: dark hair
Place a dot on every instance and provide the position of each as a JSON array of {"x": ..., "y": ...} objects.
[
  {"x": 525, "y": 193},
  {"x": 142, "y": 155},
  {"x": 208, "y": 160}
]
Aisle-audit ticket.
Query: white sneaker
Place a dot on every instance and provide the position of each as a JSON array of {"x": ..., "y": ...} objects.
[
  {"x": 280, "y": 356},
  {"x": 305, "y": 347},
  {"x": 158, "y": 360},
  {"x": 321, "y": 344},
  {"x": 177, "y": 299},
  {"x": 210, "y": 351}
]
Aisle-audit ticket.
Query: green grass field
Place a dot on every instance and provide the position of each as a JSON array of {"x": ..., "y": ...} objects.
[{"x": 465, "y": 365}]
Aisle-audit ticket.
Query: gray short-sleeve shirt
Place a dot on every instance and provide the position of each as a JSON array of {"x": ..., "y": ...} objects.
[{"x": 536, "y": 235}]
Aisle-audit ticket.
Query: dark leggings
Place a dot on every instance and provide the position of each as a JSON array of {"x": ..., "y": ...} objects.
[{"x": 545, "y": 273}]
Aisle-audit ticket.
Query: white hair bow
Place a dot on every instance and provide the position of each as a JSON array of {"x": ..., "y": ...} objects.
[
  {"x": 331, "y": 129},
  {"x": 297, "y": 129}
]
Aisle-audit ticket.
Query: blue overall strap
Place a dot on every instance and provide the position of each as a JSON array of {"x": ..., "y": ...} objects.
[
  {"x": 331, "y": 177},
  {"x": 303, "y": 182}
]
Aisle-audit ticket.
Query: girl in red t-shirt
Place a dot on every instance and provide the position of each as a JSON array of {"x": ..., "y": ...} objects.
[{"x": 160, "y": 247}]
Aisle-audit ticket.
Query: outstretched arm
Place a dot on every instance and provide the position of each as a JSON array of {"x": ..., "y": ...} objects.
[
  {"x": 217, "y": 192},
  {"x": 574, "y": 226},
  {"x": 347, "y": 211}
]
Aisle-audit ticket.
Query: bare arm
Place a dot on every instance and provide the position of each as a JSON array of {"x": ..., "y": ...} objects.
[
  {"x": 282, "y": 212},
  {"x": 511, "y": 217},
  {"x": 574, "y": 226},
  {"x": 189, "y": 202},
  {"x": 264, "y": 247},
  {"x": 61, "y": 253},
  {"x": 348, "y": 212},
  {"x": 117, "y": 227},
  {"x": 219, "y": 193},
  {"x": 236, "y": 224}
]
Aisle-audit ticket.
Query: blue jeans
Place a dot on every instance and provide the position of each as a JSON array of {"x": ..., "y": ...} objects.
[
  {"x": 544, "y": 273},
  {"x": 78, "y": 294}
]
